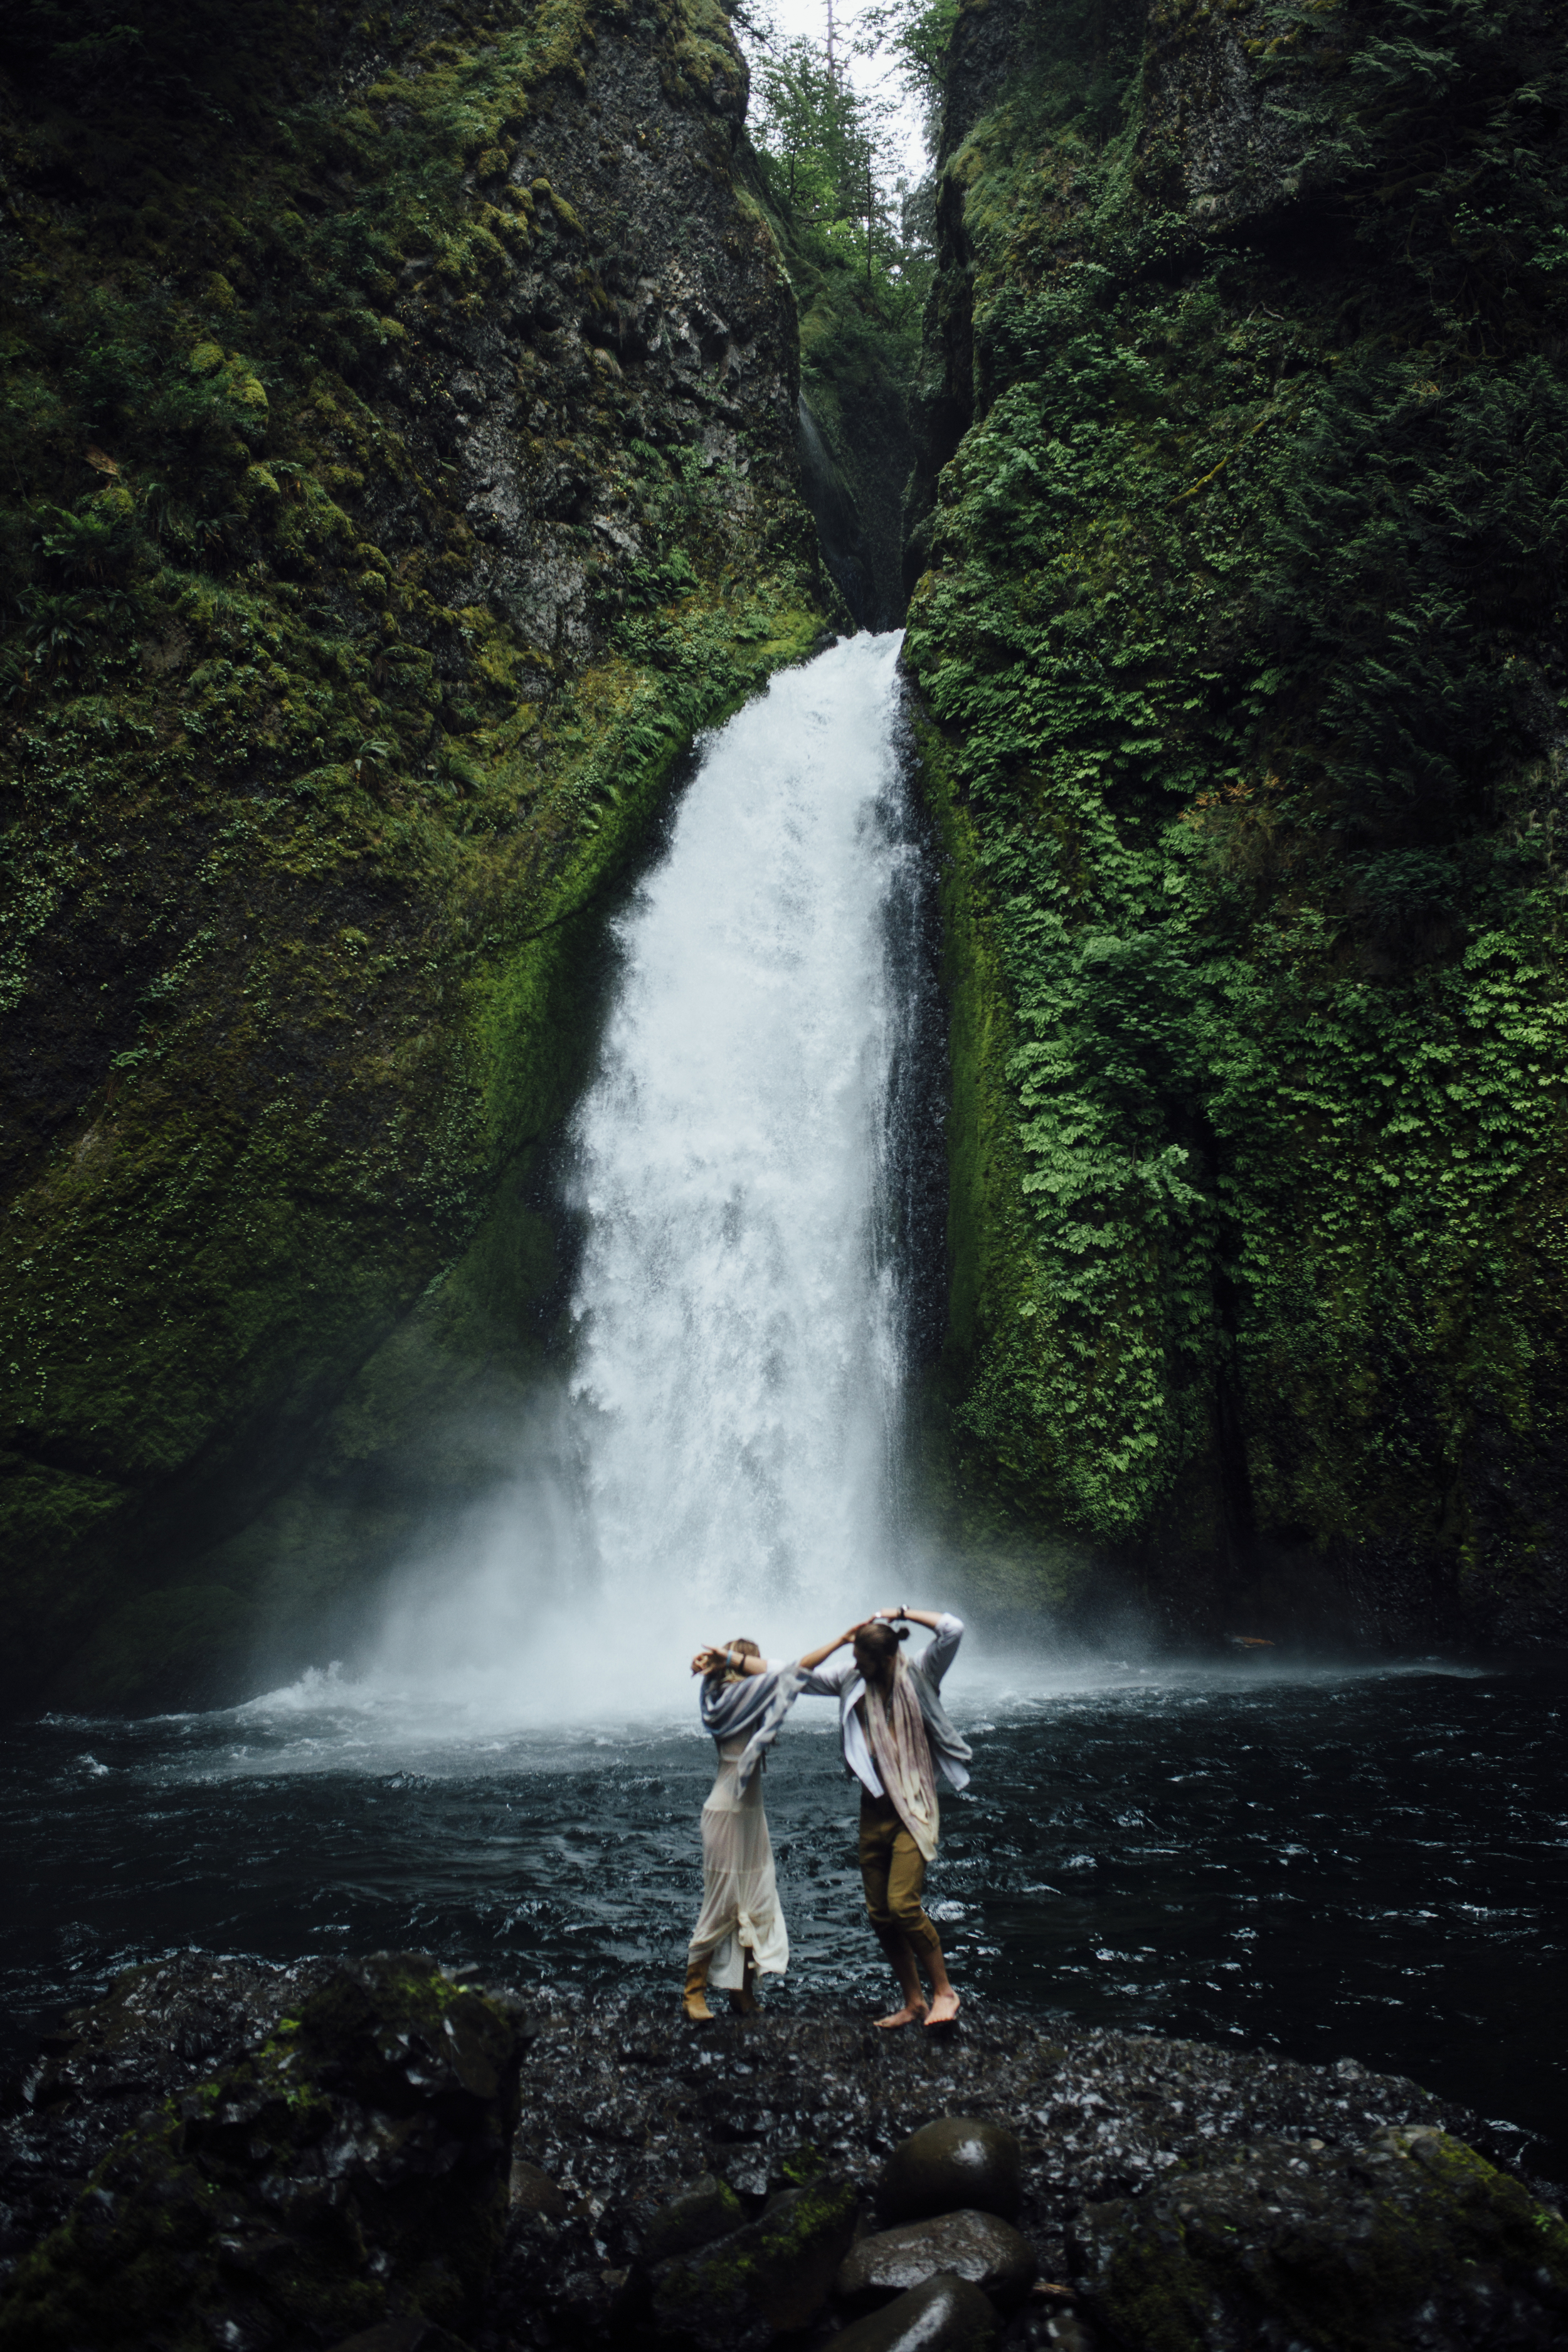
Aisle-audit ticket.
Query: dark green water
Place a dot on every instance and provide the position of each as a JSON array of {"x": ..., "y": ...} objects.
[{"x": 1371, "y": 1864}]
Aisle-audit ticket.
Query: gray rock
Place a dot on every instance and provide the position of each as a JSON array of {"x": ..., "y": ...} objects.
[
  {"x": 403, "y": 2335},
  {"x": 953, "y": 2163},
  {"x": 533, "y": 2191},
  {"x": 709, "y": 2210},
  {"x": 990, "y": 2254},
  {"x": 945, "y": 2314},
  {"x": 761, "y": 2281},
  {"x": 1410, "y": 2241}
]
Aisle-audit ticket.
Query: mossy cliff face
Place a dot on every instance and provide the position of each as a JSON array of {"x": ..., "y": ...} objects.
[
  {"x": 400, "y": 468},
  {"x": 1239, "y": 632}
]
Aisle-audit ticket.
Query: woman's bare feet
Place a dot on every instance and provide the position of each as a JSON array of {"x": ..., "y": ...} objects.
[
  {"x": 911, "y": 2014},
  {"x": 944, "y": 2010}
]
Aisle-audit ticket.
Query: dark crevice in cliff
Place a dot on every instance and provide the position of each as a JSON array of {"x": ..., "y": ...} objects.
[{"x": 839, "y": 529}]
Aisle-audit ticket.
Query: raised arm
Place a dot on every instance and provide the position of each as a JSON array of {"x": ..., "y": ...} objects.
[
  {"x": 716, "y": 1660},
  {"x": 814, "y": 1658},
  {"x": 948, "y": 1630}
]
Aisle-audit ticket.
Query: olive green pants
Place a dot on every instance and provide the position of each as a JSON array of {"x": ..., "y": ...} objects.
[{"x": 893, "y": 1871}]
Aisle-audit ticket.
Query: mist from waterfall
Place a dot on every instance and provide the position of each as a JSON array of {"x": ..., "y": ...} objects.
[{"x": 724, "y": 1458}]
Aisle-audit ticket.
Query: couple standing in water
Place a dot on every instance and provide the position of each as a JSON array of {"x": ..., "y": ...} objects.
[{"x": 896, "y": 1735}]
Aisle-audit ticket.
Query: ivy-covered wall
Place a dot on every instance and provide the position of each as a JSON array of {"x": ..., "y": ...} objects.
[
  {"x": 399, "y": 417},
  {"x": 1239, "y": 631}
]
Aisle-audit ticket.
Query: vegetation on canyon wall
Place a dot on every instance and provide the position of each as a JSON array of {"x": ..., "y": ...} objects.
[
  {"x": 1244, "y": 512},
  {"x": 399, "y": 469},
  {"x": 858, "y": 244}
]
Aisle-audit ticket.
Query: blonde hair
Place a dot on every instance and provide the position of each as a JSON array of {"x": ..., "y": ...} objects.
[{"x": 747, "y": 1650}]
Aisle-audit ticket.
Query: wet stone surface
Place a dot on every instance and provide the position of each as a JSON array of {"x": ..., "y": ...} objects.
[
  {"x": 350, "y": 2168},
  {"x": 1408, "y": 2240},
  {"x": 945, "y": 2314},
  {"x": 650, "y": 2155},
  {"x": 951, "y": 2164},
  {"x": 990, "y": 2254}
]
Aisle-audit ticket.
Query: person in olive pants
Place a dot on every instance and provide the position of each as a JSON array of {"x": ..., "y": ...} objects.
[{"x": 896, "y": 1734}]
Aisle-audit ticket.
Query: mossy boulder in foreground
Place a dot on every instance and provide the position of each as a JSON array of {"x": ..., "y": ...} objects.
[
  {"x": 342, "y": 2183},
  {"x": 1412, "y": 2240},
  {"x": 352, "y": 2169},
  {"x": 763, "y": 2280}
]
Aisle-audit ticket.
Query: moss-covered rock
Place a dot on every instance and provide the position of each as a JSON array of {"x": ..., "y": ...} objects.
[
  {"x": 401, "y": 415},
  {"x": 1241, "y": 546},
  {"x": 707, "y": 2211},
  {"x": 767, "y": 2279},
  {"x": 1410, "y": 2241},
  {"x": 352, "y": 2169}
]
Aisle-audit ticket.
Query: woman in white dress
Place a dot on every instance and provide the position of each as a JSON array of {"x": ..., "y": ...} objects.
[{"x": 741, "y": 1934}]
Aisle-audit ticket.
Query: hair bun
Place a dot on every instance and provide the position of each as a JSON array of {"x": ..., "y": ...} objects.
[{"x": 900, "y": 1632}]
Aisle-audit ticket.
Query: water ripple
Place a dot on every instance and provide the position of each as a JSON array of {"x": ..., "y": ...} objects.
[{"x": 1373, "y": 1864}]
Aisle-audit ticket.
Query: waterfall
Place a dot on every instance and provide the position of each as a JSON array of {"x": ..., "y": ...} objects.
[
  {"x": 741, "y": 1353},
  {"x": 727, "y": 1455}
]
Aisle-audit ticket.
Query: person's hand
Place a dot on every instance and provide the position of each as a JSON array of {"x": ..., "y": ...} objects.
[{"x": 709, "y": 1661}]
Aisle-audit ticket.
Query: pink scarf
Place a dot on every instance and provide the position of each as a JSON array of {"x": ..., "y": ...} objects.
[{"x": 902, "y": 1754}]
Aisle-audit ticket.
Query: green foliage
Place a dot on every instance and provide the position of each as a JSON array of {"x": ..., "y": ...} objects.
[
  {"x": 304, "y": 809},
  {"x": 1236, "y": 634},
  {"x": 856, "y": 240},
  {"x": 824, "y": 150}
]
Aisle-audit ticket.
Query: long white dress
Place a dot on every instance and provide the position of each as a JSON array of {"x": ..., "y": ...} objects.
[{"x": 741, "y": 1911}]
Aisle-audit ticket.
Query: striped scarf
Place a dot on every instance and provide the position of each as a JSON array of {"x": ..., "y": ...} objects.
[{"x": 902, "y": 1753}]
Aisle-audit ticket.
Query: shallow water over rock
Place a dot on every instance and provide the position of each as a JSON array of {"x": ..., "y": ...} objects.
[{"x": 1368, "y": 1865}]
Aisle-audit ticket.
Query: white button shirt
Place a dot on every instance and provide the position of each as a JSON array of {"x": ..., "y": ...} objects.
[{"x": 844, "y": 1681}]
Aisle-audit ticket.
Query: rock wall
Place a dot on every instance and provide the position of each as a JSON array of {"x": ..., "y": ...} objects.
[
  {"x": 401, "y": 467},
  {"x": 1240, "y": 543}
]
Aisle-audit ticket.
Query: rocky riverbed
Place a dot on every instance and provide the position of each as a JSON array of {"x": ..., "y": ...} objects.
[{"x": 226, "y": 2154}]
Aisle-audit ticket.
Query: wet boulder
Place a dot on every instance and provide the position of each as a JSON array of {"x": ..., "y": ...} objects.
[
  {"x": 944, "y": 2314},
  {"x": 533, "y": 2190},
  {"x": 351, "y": 2171},
  {"x": 990, "y": 2254},
  {"x": 1411, "y": 2242},
  {"x": 402, "y": 2335},
  {"x": 761, "y": 2281},
  {"x": 709, "y": 2210},
  {"x": 954, "y": 2163}
]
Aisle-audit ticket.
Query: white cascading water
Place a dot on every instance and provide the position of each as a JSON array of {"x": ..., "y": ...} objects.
[
  {"x": 741, "y": 1359},
  {"x": 726, "y": 1459}
]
